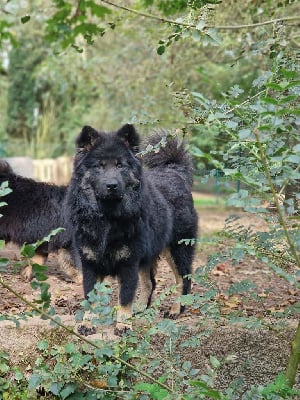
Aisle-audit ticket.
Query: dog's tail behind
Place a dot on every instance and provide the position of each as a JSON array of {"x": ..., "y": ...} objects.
[
  {"x": 5, "y": 169},
  {"x": 164, "y": 149}
]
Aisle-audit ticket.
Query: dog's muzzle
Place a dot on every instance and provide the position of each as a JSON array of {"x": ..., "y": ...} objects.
[{"x": 113, "y": 191}]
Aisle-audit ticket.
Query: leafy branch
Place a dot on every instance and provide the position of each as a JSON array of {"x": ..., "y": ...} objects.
[
  {"x": 56, "y": 321},
  {"x": 187, "y": 25},
  {"x": 276, "y": 199}
]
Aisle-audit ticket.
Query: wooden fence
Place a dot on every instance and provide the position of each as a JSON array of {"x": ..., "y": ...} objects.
[{"x": 56, "y": 170}]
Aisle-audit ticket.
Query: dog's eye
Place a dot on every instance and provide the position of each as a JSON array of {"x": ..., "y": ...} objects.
[
  {"x": 101, "y": 164},
  {"x": 119, "y": 164}
]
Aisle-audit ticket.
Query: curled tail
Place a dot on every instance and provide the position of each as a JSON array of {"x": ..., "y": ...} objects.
[
  {"x": 163, "y": 149},
  {"x": 5, "y": 169}
]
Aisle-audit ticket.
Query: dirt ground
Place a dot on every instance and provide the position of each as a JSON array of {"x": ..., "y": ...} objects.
[{"x": 257, "y": 354}]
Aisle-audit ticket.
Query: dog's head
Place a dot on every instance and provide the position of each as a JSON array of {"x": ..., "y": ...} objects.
[
  {"x": 107, "y": 164},
  {"x": 90, "y": 138}
]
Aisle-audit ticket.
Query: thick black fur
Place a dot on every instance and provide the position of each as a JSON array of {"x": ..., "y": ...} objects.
[
  {"x": 124, "y": 216},
  {"x": 33, "y": 210}
]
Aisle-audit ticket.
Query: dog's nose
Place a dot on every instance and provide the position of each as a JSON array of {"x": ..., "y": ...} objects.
[{"x": 111, "y": 187}]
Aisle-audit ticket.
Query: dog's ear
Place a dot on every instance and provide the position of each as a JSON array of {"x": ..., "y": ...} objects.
[
  {"x": 86, "y": 138},
  {"x": 130, "y": 137}
]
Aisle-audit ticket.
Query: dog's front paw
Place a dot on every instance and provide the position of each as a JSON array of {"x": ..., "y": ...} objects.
[
  {"x": 27, "y": 273},
  {"x": 170, "y": 315},
  {"x": 175, "y": 310},
  {"x": 122, "y": 328}
]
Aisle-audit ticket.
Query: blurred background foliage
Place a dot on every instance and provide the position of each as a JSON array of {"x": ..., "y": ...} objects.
[{"x": 64, "y": 64}]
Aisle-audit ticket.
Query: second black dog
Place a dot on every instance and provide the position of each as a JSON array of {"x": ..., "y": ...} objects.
[{"x": 33, "y": 210}]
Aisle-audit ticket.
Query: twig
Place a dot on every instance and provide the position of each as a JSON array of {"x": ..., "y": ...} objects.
[{"x": 245, "y": 101}]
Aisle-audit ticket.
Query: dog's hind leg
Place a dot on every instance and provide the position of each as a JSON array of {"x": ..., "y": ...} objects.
[
  {"x": 179, "y": 257},
  {"x": 147, "y": 286},
  {"x": 67, "y": 264}
]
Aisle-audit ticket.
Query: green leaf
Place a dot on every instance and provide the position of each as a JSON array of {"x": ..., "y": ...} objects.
[
  {"x": 215, "y": 363},
  {"x": 96, "y": 9},
  {"x": 275, "y": 86},
  {"x": 245, "y": 134},
  {"x": 52, "y": 233},
  {"x": 56, "y": 387},
  {"x": 270, "y": 100},
  {"x": 28, "y": 250},
  {"x": 289, "y": 98},
  {"x": 70, "y": 348},
  {"x": 206, "y": 390},
  {"x": 3, "y": 264},
  {"x": 105, "y": 351},
  {"x": 187, "y": 299},
  {"x": 240, "y": 287},
  {"x": 25, "y": 19},
  {"x": 201, "y": 24},
  {"x": 231, "y": 124},
  {"x": 156, "y": 392},
  {"x": 43, "y": 345},
  {"x": 296, "y": 148},
  {"x": 68, "y": 389},
  {"x": 19, "y": 376},
  {"x": 196, "y": 35},
  {"x": 34, "y": 381},
  {"x": 288, "y": 74},
  {"x": 85, "y": 28},
  {"x": 212, "y": 33},
  {"x": 160, "y": 50},
  {"x": 294, "y": 158}
]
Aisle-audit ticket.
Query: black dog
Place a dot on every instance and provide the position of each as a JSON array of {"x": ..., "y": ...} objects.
[
  {"x": 33, "y": 210},
  {"x": 124, "y": 216}
]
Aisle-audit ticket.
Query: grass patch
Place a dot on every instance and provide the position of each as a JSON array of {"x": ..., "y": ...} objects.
[{"x": 209, "y": 202}]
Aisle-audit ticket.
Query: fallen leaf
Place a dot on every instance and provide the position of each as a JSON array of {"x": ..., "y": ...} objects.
[
  {"x": 222, "y": 268},
  {"x": 262, "y": 295},
  {"x": 99, "y": 384},
  {"x": 293, "y": 292}
]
